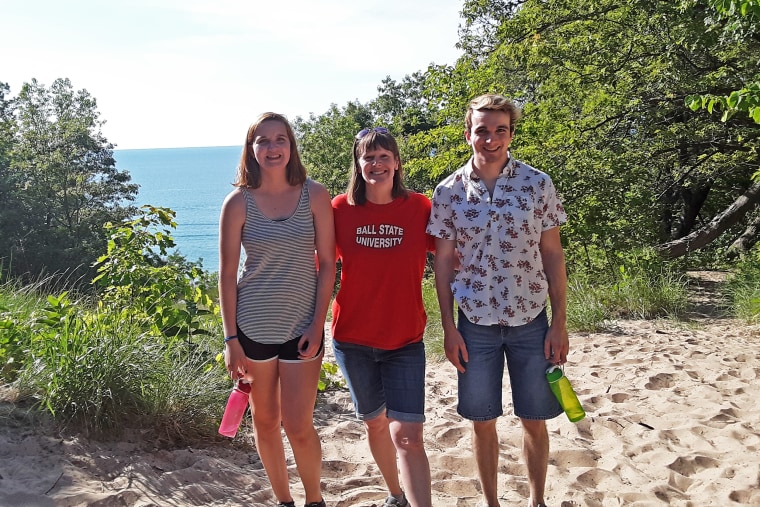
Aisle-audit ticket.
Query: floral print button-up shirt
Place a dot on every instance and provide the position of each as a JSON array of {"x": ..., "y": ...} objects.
[{"x": 501, "y": 278}]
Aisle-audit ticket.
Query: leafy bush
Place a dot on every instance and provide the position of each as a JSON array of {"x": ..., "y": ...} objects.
[
  {"x": 138, "y": 356},
  {"x": 97, "y": 373},
  {"x": 137, "y": 281}
]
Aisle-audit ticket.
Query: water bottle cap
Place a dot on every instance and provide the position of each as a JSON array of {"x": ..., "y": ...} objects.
[
  {"x": 243, "y": 386},
  {"x": 554, "y": 373}
]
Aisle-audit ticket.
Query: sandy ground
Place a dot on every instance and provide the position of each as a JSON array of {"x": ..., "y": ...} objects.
[{"x": 672, "y": 419}]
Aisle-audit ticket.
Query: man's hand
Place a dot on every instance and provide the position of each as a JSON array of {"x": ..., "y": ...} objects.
[
  {"x": 556, "y": 345},
  {"x": 456, "y": 351}
]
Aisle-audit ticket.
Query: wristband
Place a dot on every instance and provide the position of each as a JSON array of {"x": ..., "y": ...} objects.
[{"x": 230, "y": 338}]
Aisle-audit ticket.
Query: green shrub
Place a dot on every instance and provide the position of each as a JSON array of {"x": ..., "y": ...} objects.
[
  {"x": 97, "y": 373},
  {"x": 586, "y": 310},
  {"x": 636, "y": 293},
  {"x": 743, "y": 289}
]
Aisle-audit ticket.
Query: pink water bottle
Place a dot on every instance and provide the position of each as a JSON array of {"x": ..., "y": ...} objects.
[{"x": 235, "y": 410}]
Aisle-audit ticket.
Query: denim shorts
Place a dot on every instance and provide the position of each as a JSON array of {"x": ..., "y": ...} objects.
[
  {"x": 390, "y": 380},
  {"x": 480, "y": 386}
]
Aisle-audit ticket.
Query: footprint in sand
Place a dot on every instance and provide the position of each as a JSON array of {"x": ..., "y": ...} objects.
[
  {"x": 337, "y": 469},
  {"x": 450, "y": 436},
  {"x": 461, "y": 488},
  {"x": 593, "y": 479},
  {"x": 446, "y": 466},
  {"x": 574, "y": 458},
  {"x": 660, "y": 381},
  {"x": 728, "y": 376},
  {"x": 619, "y": 397},
  {"x": 691, "y": 466},
  {"x": 745, "y": 496},
  {"x": 679, "y": 482}
]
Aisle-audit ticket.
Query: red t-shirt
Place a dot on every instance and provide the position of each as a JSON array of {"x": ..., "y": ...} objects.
[{"x": 382, "y": 248}]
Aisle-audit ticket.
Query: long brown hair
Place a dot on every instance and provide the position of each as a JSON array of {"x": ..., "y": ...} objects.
[
  {"x": 249, "y": 171},
  {"x": 356, "y": 193}
]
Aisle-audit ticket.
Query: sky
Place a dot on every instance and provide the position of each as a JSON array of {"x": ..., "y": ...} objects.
[{"x": 182, "y": 73}]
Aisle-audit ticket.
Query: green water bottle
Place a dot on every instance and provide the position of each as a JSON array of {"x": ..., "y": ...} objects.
[{"x": 565, "y": 395}]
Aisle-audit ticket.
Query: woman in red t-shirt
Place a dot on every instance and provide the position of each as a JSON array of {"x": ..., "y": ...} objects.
[{"x": 378, "y": 314}]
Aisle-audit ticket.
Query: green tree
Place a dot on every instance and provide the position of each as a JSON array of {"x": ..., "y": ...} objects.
[
  {"x": 603, "y": 85},
  {"x": 326, "y": 141},
  {"x": 738, "y": 20},
  {"x": 7, "y": 197},
  {"x": 64, "y": 183}
]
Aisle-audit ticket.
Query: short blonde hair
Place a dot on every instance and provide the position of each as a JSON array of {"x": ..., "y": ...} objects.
[{"x": 492, "y": 102}]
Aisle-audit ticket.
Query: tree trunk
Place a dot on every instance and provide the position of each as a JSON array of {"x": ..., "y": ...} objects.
[
  {"x": 746, "y": 241},
  {"x": 693, "y": 200},
  {"x": 702, "y": 237}
]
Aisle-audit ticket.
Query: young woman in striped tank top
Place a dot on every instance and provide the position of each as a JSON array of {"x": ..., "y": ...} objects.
[{"x": 274, "y": 312}]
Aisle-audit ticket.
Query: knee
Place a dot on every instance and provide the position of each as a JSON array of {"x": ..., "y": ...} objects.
[
  {"x": 267, "y": 423},
  {"x": 298, "y": 429},
  {"x": 534, "y": 427},
  {"x": 407, "y": 436},
  {"x": 484, "y": 428},
  {"x": 377, "y": 425}
]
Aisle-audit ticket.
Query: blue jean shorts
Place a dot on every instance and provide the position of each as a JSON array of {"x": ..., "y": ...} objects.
[
  {"x": 384, "y": 380},
  {"x": 480, "y": 386}
]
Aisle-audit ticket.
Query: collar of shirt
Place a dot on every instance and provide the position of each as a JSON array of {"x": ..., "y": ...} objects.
[{"x": 507, "y": 172}]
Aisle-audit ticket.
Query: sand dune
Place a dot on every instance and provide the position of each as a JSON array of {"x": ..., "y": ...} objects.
[{"x": 672, "y": 419}]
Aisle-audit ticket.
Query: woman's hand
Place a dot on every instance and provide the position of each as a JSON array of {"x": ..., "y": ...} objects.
[
  {"x": 235, "y": 360},
  {"x": 310, "y": 342}
]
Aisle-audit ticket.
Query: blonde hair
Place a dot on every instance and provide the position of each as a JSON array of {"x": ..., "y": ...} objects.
[{"x": 492, "y": 102}]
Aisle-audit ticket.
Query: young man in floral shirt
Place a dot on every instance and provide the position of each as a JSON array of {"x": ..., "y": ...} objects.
[{"x": 498, "y": 255}]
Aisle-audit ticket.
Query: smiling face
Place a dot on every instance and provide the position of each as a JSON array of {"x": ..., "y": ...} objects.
[
  {"x": 271, "y": 145},
  {"x": 490, "y": 136},
  {"x": 378, "y": 166}
]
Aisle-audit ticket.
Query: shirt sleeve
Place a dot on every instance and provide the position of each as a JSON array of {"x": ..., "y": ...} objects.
[
  {"x": 441, "y": 223},
  {"x": 553, "y": 212}
]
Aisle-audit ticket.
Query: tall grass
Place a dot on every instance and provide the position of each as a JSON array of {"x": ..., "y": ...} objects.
[
  {"x": 97, "y": 374},
  {"x": 433, "y": 330},
  {"x": 636, "y": 294},
  {"x": 743, "y": 290},
  {"x": 592, "y": 306}
]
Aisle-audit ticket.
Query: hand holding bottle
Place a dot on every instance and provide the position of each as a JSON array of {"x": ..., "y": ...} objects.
[{"x": 235, "y": 409}]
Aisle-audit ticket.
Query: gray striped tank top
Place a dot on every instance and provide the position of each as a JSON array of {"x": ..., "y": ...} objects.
[{"x": 276, "y": 291}]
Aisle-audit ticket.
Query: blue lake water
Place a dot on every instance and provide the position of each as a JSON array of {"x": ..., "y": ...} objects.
[{"x": 191, "y": 181}]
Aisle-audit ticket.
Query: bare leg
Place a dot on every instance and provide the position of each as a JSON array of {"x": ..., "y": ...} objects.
[
  {"x": 536, "y": 454},
  {"x": 382, "y": 449},
  {"x": 265, "y": 408},
  {"x": 299, "y": 389},
  {"x": 485, "y": 443},
  {"x": 413, "y": 461}
]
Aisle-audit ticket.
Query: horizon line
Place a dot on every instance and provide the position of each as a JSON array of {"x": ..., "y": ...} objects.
[{"x": 179, "y": 147}]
